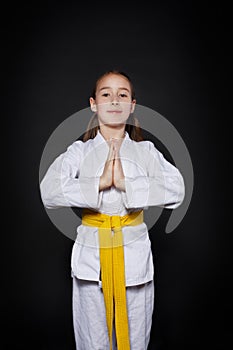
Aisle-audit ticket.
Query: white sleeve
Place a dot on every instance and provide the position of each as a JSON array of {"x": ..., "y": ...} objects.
[
  {"x": 63, "y": 187},
  {"x": 162, "y": 185}
]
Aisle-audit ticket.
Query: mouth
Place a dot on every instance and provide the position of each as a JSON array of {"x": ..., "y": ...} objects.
[{"x": 117, "y": 111}]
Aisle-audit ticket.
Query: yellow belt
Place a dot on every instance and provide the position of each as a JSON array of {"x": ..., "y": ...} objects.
[{"x": 113, "y": 269}]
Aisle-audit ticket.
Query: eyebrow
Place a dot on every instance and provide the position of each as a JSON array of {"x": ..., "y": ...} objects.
[{"x": 108, "y": 87}]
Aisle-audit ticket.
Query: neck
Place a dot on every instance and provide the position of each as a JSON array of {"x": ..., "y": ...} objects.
[{"x": 109, "y": 132}]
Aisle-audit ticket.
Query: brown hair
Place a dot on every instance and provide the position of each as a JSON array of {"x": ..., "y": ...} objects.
[{"x": 132, "y": 127}]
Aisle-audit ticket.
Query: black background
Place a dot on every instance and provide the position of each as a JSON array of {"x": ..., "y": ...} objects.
[{"x": 178, "y": 56}]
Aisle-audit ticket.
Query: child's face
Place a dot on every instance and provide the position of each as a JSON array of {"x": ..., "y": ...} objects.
[{"x": 113, "y": 102}]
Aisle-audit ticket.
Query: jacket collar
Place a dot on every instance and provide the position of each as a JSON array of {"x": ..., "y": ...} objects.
[{"x": 100, "y": 139}]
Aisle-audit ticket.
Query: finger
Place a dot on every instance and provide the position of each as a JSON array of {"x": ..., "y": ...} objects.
[
  {"x": 111, "y": 152},
  {"x": 116, "y": 149}
]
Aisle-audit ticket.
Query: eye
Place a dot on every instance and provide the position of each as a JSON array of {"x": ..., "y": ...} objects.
[
  {"x": 106, "y": 94},
  {"x": 123, "y": 95}
]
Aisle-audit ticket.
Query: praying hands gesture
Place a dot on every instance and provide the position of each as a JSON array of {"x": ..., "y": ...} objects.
[{"x": 113, "y": 174}]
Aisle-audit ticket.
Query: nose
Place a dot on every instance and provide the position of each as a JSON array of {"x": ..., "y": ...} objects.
[{"x": 115, "y": 100}]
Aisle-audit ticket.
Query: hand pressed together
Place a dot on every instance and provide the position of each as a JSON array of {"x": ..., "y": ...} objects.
[{"x": 113, "y": 174}]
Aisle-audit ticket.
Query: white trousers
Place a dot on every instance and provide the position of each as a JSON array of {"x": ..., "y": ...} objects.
[{"x": 89, "y": 321}]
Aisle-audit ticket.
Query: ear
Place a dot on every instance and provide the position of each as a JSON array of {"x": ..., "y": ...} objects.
[
  {"x": 92, "y": 104},
  {"x": 133, "y": 104}
]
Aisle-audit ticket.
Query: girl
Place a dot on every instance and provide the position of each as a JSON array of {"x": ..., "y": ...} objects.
[{"x": 113, "y": 175}]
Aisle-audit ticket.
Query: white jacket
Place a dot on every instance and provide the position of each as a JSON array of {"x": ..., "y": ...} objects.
[{"x": 73, "y": 180}]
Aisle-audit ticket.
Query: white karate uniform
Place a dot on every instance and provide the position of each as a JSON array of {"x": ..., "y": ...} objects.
[{"x": 150, "y": 180}]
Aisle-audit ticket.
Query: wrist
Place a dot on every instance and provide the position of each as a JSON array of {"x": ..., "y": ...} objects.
[
  {"x": 103, "y": 185},
  {"x": 120, "y": 185}
]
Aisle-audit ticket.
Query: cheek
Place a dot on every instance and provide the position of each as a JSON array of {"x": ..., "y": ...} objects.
[
  {"x": 102, "y": 107},
  {"x": 101, "y": 111},
  {"x": 126, "y": 108}
]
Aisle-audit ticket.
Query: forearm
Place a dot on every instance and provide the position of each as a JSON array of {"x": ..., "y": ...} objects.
[
  {"x": 154, "y": 191},
  {"x": 60, "y": 188}
]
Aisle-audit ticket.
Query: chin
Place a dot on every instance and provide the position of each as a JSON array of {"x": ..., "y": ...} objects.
[{"x": 115, "y": 124}]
